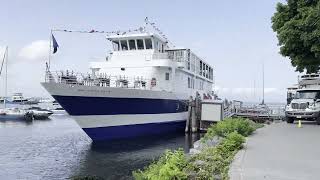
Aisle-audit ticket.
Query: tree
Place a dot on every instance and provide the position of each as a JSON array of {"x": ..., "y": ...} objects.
[{"x": 297, "y": 24}]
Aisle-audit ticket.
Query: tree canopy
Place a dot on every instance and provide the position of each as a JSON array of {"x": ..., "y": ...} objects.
[{"x": 297, "y": 24}]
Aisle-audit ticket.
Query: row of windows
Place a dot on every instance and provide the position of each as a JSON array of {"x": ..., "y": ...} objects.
[
  {"x": 205, "y": 71},
  {"x": 132, "y": 44},
  {"x": 191, "y": 83}
]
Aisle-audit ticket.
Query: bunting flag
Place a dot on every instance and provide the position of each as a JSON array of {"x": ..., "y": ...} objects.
[
  {"x": 55, "y": 44},
  {"x": 118, "y": 32},
  {"x": 153, "y": 25}
]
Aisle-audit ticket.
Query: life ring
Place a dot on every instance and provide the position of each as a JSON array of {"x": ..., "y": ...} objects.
[{"x": 153, "y": 82}]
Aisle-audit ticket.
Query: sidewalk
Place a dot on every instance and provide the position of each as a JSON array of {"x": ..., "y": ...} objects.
[{"x": 280, "y": 151}]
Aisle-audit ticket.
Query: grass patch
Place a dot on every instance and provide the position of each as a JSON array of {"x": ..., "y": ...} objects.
[{"x": 210, "y": 163}]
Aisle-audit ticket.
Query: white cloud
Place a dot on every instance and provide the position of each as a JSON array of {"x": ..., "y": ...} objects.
[{"x": 37, "y": 50}]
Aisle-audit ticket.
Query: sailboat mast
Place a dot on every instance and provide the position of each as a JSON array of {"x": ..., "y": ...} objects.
[
  {"x": 262, "y": 83},
  {"x": 6, "y": 78}
]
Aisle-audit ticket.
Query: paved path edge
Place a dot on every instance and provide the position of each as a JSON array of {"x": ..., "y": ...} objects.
[{"x": 235, "y": 170}]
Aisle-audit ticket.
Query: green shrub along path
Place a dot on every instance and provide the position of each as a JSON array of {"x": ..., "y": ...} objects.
[{"x": 212, "y": 162}]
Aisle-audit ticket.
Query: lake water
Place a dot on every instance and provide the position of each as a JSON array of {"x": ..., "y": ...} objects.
[{"x": 58, "y": 149}]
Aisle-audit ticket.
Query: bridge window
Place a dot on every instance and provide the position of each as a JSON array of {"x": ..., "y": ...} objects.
[
  {"x": 140, "y": 44},
  {"x": 132, "y": 44},
  {"x": 203, "y": 69},
  {"x": 167, "y": 76},
  {"x": 124, "y": 45},
  {"x": 207, "y": 71},
  {"x": 116, "y": 45},
  {"x": 148, "y": 43}
]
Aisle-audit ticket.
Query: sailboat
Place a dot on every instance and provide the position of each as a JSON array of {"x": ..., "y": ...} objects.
[{"x": 10, "y": 113}]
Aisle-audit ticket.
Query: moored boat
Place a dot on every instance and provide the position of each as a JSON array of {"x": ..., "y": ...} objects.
[
  {"x": 141, "y": 89},
  {"x": 14, "y": 114},
  {"x": 39, "y": 113}
]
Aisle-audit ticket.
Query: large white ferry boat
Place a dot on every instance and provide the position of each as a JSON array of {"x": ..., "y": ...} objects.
[{"x": 141, "y": 88}]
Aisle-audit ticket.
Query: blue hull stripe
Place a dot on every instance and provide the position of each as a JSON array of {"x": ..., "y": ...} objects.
[
  {"x": 78, "y": 105},
  {"x": 129, "y": 131}
]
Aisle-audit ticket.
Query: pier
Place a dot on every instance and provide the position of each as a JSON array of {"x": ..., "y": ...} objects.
[{"x": 203, "y": 113}]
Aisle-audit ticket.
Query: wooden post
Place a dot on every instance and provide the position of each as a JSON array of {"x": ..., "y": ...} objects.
[
  {"x": 189, "y": 114},
  {"x": 193, "y": 117},
  {"x": 198, "y": 110}
]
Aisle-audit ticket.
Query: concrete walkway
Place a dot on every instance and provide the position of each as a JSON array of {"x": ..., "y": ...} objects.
[{"x": 280, "y": 151}]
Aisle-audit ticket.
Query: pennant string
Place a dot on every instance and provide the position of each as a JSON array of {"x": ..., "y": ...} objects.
[
  {"x": 153, "y": 25},
  {"x": 101, "y": 32},
  {"x": 118, "y": 32}
]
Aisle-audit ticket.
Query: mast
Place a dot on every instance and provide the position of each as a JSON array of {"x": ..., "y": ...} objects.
[
  {"x": 6, "y": 78},
  {"x": 262, "y": 83}
]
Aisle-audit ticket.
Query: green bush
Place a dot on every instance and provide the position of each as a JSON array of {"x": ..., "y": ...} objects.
[
  {"x": 242, "y": 126},
  {"x": 210, "y": 163},
  {"x": 169, "y": 167},
  {"x": 215, "y": 161}
]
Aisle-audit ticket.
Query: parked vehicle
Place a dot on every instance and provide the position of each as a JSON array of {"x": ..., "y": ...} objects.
[{"x": 305, "y": 104}]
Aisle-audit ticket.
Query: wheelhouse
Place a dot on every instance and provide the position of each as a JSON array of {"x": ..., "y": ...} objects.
[{"x": 144, "y": 41}]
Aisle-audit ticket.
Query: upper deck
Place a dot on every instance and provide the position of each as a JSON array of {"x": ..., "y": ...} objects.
[{"x": 150, "y": 50}]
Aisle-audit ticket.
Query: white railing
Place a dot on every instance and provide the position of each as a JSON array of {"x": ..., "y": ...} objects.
[
  {"x": 160, "y": 56},
  {"x": 171, "y": 56},
  {"x": 101, "y": 80}
]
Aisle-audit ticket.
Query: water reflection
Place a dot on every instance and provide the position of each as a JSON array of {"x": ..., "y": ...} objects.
[
  {"x": 117, "y": 159},
  {"x": 58, "y": 149}
]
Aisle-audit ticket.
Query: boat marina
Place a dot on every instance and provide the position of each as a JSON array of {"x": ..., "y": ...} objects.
[{"x": 153, "y": 90}]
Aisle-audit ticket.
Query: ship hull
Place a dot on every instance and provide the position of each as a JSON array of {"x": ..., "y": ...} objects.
[{"x": 113, "y": 113}]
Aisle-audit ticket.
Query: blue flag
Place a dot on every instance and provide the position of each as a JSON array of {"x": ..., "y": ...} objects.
[{"x": 54, "y": 44}]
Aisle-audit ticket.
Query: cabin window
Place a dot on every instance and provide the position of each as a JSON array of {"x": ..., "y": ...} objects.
[
  {"x": 190, "y": 83},
  {"x": 188, "y": 60},
  {"x": 200, "y": 68},
  {"x": 124, "y": 45},
  {"x": 162, "y": 48},
  {"x": 140, "y": 44},
  {"x": 167, "y": 76},
  {"x": 159, "y": 46},
  {"x": 207, "y": 69},
  {"x": 148, "y": 43},
  {"x": 192, "y": 80},
  {"x": 132, "y": 44},
  {"x": 203, "y": 69},
  {"x": 116, "y": 46},
  {"x": 156, "y": 44}
]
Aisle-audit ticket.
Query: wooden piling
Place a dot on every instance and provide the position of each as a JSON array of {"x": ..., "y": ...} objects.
[
  {"x": 188, "y": 123},
  {"x": 194, "y": 127}
]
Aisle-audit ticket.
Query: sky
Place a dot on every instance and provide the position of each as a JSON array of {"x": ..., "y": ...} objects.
[{"x": 235, "y": 37}]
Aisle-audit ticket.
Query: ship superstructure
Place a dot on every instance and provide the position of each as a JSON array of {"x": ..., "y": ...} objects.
[{"x": 141, "y": 88}]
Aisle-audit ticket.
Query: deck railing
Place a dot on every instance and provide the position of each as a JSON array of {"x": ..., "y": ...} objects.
[{"x": 100, "y": 79}]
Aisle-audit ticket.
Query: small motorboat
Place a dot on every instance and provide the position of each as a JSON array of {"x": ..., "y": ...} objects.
[
  {"x": 39, "y": 113},
  {"x": 15, "y": 114}
]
